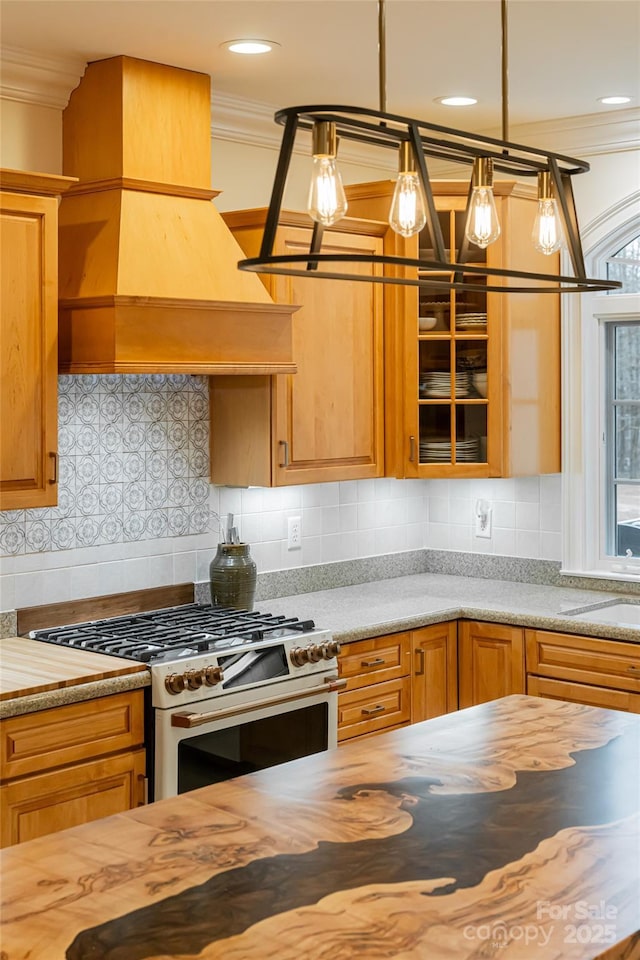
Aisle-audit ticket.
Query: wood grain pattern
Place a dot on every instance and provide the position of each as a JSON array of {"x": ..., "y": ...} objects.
[
  {"x": 435, "y": 671},
  {"x": 491, "y": 661},
  {"x": 35, "y": 806},
  {"x": 330, "y": 414},
  {"x": 29, "y": 666},
  {"x": 450, "y": 838},
  {"x": 44, "y": 184},
  {"x": 63, "y": 735},
  {"x": 136, "y": 260},
  {"x": 522, "y": 343},
  {"x": 96, "y": 608},
  {"x": 28, "y": 361},
  {"x": 589, "y": 660}
]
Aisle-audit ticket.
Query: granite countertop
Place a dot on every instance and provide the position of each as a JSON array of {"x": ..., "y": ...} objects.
[
  {"x": 509, "y": 828},
  {"x": 389, "y": 606},
  {"x": 406, "y": 603}
]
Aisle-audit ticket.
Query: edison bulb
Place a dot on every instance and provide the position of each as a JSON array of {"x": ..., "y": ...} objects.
[
  {"x": 327, "y": 201},
  {"x": 482, "y": 226},
  {"x": 407, "y": 214},
  {"x": 547, "y": 234}
]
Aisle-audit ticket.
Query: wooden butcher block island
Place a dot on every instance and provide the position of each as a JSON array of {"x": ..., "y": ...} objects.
[{"x": 508, "y": 830}]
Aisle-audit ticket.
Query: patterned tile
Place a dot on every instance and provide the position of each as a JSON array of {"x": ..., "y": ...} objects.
[{"x": 133, "y": 464}]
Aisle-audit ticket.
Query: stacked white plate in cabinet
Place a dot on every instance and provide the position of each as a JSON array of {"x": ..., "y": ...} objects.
[
  {"x": 438, "y": 384},
  {"x": 439, "y": 451},
  {"x": 470, "y": 321}
]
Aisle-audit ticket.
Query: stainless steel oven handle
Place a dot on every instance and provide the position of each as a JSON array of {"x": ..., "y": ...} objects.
[{"x": 198, "y": 719}]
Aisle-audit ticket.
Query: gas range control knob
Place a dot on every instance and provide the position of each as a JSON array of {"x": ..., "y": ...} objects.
[
  {"x": 212, "y": 675},
  {"x": 315, "y": 652},
  {"x": 331, "y": 649},
  {"x": 299, "y": 656},
  {"x": 194, "y": 679},
  {"x": 174, "y": 683}
]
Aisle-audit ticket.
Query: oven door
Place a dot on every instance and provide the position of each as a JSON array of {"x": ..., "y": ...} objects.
[{"x": 196, "y": 747}]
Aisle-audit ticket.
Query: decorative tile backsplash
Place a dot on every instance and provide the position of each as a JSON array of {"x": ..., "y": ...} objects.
[
  {"x": 136, "y": 508},
  {"x": 133, "y": 465}
]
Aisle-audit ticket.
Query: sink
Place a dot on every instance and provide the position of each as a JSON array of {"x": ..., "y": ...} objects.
[{"x": 624, "y": 613}]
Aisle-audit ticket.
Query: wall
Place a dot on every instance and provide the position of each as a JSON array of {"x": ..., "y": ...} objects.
[
  {"x": 340, "y": 521},
  {"x": 31, "y": 137},
  {"x": 136, "y": 510}
]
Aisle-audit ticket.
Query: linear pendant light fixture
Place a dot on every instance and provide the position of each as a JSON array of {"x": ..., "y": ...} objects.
[{"x": 413, "y": 205}]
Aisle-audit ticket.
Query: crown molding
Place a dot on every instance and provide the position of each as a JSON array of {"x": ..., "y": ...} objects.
[
  {"x": 44, "y": 81},
  {"x": 588, "y": 135},
  {"x": 252, "y": 123},
  {"x": 48, "y": 81}
]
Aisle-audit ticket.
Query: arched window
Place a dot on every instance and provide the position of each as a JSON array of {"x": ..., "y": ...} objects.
[{"x": 601, "y": 419}]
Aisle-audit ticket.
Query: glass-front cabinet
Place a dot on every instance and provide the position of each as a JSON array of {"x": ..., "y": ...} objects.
[
  {"x": 473, "y": 377},
  {"x": 450, "y": 351}
]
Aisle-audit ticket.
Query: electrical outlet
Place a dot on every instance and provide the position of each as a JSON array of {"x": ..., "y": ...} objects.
[
  {"x": 294, "y": 533},
  {"x": 483, "y": 518}
]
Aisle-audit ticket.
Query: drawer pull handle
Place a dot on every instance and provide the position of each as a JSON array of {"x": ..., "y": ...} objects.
[
  {"x": 367, "y": 711},
  {"x": 373, "y": 663},
  {"x": 633, "y": 670}
]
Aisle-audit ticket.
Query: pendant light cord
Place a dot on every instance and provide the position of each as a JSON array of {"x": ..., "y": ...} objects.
[
  {"x": 382, "y": 64},
  {"x": 382, "y": 59},
  {"x": 505, "y": 72}
]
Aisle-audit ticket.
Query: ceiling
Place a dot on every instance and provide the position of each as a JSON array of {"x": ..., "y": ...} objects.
[{"x": 563, "y": 54}]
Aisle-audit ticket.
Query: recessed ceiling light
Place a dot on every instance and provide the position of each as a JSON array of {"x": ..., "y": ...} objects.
[
  {"x": 250, "y": 47},
  {"x": 613, "y": 100},
  {"x": 456, "y": 101}
]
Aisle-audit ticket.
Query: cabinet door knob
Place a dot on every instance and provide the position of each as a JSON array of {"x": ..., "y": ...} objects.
[{"x": 285, "y": 444}]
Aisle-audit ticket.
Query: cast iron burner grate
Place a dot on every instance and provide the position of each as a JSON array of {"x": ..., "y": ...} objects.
[{"x": 194, "y": 627}]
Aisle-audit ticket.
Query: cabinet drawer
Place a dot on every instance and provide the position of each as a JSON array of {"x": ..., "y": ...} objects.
[
  {"x": 583, "y": 693},
  {"x": 79, "y": 731},
  {"x": 374, "y": 708},
  {"x": 35, "y": 806},
  {"x": 364, "y": 662},
  {"x": 607, "y": 663}
]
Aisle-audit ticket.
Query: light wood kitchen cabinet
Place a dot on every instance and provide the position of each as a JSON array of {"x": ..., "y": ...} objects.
[
  {"x": 435, "y": 671},
  {"x": 29, "y": 335},
  {"x": 491, "y": 662},
  {"x": 377, "y": 697},
  {"x": 70, "y": 764},
  {"x": 326, "y": 422},
  {"x": 473, "y": 377},
  {"x": 397, "y": 679},
  {"x": 590, "y": 670}
]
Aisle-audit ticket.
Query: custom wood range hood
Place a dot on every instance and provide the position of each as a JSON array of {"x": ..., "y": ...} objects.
[{"x": 147, "y": 267}]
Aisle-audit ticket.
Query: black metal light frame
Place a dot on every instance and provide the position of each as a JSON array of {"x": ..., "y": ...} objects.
[{"x": 388, "y": 130}]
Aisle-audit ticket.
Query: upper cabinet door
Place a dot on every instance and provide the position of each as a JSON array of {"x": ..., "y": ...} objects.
[
  {"x": 330, "y": 413},
  {"x": 29, "y": 354},
  {"x": 325, "y": 422},
  {"x": 472, "y": 376}
]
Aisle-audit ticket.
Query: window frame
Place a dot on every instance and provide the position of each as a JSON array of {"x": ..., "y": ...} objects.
[
  {"x": 612, "y": 404},
  {"x": 585, "y": 319}
]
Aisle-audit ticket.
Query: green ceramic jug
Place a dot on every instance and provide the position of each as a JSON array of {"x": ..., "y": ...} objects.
[{"x": 233, "y": 575}]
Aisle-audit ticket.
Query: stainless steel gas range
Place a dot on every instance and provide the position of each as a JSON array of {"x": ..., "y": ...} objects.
[{"x": 231, "y": 691}]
